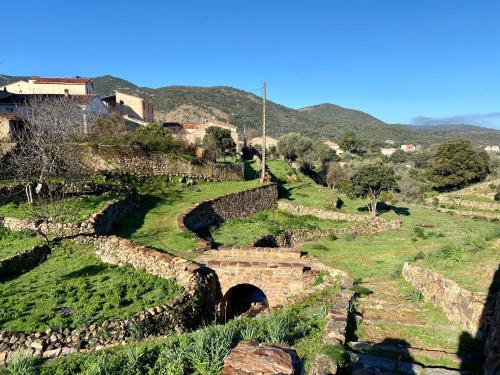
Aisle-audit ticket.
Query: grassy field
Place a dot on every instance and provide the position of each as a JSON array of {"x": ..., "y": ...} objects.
[
  {"x": 244, "y": 232},
  {"x": 12, "y": 243},
  {"x": 73, "y": 288},
  {"x": 154, "y": 223},
  {"x": 203, "y": 351},
  {"x": 72, "y": 210},
  {"x": 376, "y": 261}
]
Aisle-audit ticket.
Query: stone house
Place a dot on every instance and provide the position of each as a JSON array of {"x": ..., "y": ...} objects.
[
  {"x": 51, "y": 86},
  {"x": 411, "y": 147},
  {"x": 130, "y": 107},
  {"x": 270, "y": 141},
  {"x": 9, "y": 124},
  {"x": 194, "y": 133}
]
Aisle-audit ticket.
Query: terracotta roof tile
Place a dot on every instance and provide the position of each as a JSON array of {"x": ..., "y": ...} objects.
[{"x": 60, "y": 80}]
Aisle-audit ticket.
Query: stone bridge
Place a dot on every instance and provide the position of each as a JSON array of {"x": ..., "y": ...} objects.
[{"x": 258, "y": 274}]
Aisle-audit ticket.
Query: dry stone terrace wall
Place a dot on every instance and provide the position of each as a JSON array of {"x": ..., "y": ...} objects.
[
  {"x": 23, "y": 261},
  {"x": 236, "y": 205},
  {"x": 99, "y": 223},
  {"x": 460, "y": 305},
  {"x": 139, "y": 163}
]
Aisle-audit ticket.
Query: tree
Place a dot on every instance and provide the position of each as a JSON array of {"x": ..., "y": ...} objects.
[
  {"x": 334, "y": 173},
  {"x": 319, "y": 155},
  {"x": 399, "y": 157},
  {"x": 218, "y": 142},
  {"x": 293, "y": 146},
  {"x": 349, "y": 142},
  {"x": 370, "y": 179},
  {"x": 457, "y": 163}
]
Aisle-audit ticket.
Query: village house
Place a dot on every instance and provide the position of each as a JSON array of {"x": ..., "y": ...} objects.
[
  {"x": 9, "y": 123},
  {"x": 130, "y": 107},
  {"x": 334, "y": 146},
  {"x": 410, "y": 147},
  {"x": 270, "y": 141},
  {"x": 390, "y": 142},
  {"x": 492, "y": 149},
  {"x": 387, "y": 151},
  {"x": 51, "y": 86},
  {"x": 194, "y": 133}
]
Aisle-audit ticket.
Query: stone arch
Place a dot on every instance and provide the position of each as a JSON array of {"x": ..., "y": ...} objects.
[{"x": 241, "y": 299}]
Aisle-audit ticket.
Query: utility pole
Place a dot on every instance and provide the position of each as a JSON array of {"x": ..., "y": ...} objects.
[{"x": 263, "y": 134}]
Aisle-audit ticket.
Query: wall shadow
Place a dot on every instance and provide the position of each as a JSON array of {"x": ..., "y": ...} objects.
[{"x": 471, "y": 350}]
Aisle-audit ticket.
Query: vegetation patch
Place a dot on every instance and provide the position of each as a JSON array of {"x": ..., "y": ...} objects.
[
  {"x": 244, "y": 232},
  {"x": 74, "y": 209},
  {"x": 73, "y": 288},
  {"x": 202, "y": 352},
  {"x": 12, "y": 243},
  {"x": 154, "y": 223}
]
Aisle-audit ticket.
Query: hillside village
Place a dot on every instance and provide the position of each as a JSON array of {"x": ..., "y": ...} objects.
[{"x": 138, "y": 243}]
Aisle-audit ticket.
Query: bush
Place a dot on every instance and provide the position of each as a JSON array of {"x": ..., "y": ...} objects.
[
  {"x": 414, "y": 296},
  {"x": 22, "y": 363}
]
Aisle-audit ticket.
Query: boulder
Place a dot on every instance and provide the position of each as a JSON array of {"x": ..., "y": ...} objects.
[{"x": 250, "y": 357}]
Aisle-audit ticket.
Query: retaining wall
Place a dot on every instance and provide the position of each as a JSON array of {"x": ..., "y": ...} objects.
[
  {"x": 23, "y": 261},
  {"x": 134, "y": 161},
  {"x": 460, "y": 305},
  {"x": 492, "y": 347},
  {"x": 236, "y": 205}
]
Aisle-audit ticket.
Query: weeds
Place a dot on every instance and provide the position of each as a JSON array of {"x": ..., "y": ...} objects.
[{"x": 22, "y": 363}]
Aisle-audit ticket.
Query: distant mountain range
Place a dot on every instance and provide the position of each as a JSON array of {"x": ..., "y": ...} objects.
[{"x": 244, "y": 109}]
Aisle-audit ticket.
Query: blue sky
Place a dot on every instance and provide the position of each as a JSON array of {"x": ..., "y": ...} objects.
[{"x": 395, "y": 59}]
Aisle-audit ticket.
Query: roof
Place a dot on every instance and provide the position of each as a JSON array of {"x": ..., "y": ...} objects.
[
  {"x": 9, "y": 115},
  {"x": 189, "y": 125},
  {"x": 77, "y": 80}
]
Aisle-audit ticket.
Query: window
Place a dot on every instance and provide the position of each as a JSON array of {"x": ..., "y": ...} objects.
[{"x": 66, "y": 92}]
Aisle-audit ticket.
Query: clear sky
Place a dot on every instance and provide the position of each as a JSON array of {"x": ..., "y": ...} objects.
[{"x": 395, "y": 59}]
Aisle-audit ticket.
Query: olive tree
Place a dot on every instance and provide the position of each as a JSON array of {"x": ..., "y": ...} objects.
[{"x": 370, "y": 179}]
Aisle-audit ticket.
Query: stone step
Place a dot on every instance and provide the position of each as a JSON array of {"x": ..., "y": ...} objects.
[
  {"x": 394, "y": 348},
  {"x": 365, "y": 364}
]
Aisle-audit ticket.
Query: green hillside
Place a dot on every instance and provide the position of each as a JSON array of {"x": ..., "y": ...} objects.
[{"x": 244, "y": 109}]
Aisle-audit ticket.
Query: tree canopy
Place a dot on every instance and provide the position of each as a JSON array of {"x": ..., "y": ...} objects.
[
  {"x": 218, "y": 142},
  {"x": 370, "y": 179},
  {"x": 457, "y": 163}
]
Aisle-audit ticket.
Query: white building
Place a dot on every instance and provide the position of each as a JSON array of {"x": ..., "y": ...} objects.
[
  {"x": 51, "y": 86},
  {"x": 492, "y": 149},
  {"x": 387, "y": 151}
]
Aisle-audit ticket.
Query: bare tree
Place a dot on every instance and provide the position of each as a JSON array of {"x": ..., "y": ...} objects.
[{"x": 47, "y": 150}]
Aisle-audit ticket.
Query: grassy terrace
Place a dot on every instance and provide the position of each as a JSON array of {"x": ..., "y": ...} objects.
[
  {"x": 154, "y": 223},
  {"x": 73, "y": 288},
  {"x": 12, "y": 243},
  {"x": 244, "y": 232},
  {"x": 203, "y": 351},
  {"x": 74, "y": 208}
]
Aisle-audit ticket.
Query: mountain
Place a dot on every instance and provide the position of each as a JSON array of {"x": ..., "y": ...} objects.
[{"x": 244, "y": 109}]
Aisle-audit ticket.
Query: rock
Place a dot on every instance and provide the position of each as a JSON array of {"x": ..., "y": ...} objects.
[
  {"x": 250, "y": 357},
  {"x": 37, "y": 345},
  {"x": 322, "y": 365},
  {"x": 52, "y": 353}
]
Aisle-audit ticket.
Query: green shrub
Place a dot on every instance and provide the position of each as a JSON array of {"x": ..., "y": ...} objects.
[
  {"x": 420, "y": 233},
  {"x": 22, "y": 363},
  {"x": 414, "y": 296}
]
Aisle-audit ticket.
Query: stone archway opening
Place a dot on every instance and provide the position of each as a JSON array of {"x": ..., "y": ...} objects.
[{"x": 242, "y": 299}]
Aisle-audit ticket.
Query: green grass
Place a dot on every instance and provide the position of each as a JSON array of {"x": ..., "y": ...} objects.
[
  {"x": 202, "y": 352},
  {"x": 12, "y": 243},
  {"x": 72, "y": 209},
  {"x": 73, "y": 279},
  {"x": 476, "y": 198},
  {"x": 461, "y": 262},
  {"x": 244, "y": 232},
  {"x": 154, "y": 223}
]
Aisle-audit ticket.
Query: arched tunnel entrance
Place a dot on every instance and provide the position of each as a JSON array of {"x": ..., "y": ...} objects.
[{"x": 242, "y": 299}]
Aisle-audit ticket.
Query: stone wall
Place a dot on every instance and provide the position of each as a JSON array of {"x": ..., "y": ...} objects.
[
  {"x": 178, "y": 315},
  {"x": 139, "y": 163},
  {"x": 99, "y": 222},
  {"x": 23, "y": 261},
  {"x": 236, "y": 205},
  {"x": 460, "y": 305},
  {"x": 296, "y": 209},
  {"x": 187, "y": 311},
  {"x": 471, "y": 214}
]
